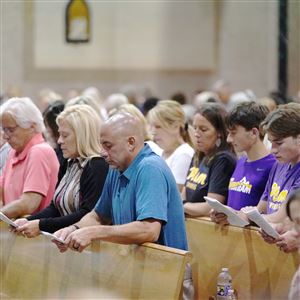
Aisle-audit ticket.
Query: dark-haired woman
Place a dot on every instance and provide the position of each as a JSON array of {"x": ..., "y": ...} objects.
[{"x": 212, "y": 164}]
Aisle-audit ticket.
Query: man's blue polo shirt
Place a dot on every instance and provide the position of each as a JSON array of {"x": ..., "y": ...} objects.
[{"x": 146, "y": 189}]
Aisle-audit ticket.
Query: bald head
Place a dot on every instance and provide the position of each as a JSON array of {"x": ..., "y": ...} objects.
[
  {"x": 122, "y": 138},
  {"x": 124, "y": 125}
]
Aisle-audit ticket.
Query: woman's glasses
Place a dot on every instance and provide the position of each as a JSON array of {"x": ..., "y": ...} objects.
[{"x": 9, "y": 130}]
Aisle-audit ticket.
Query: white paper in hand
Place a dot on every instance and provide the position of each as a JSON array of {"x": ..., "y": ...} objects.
[
  {"x": 254, "y": 215},
  {"x": 232, "y": 216},
  {"x": 7, "y": 220},
  {"x": 52, "y": 236}
]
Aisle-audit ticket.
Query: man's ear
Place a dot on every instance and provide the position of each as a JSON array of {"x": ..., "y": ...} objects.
[
  {"x": 131, "y": 143},
  {"x": 255, "y": 132},
  {"x": 298, "y": 140}
]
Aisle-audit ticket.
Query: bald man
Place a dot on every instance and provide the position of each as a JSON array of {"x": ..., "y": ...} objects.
[
  {"x": 140, "y": 201},
  {"x": 140, "y": 197}
]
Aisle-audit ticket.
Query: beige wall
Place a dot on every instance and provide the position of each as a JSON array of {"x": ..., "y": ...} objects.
[
  {"x": 294, "y": 47},
  {"x": 140, "y": 36},
  {"x": 245, "y": 40},
  {"x": 248, "y": 44}
]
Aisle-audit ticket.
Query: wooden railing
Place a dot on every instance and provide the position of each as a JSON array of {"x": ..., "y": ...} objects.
[
  {"x": 35, "y": 269},
  {"x": 258, "y": 270}
]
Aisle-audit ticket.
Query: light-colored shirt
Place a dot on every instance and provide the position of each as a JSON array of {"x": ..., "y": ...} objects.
[
  {"x": 35, "y": 170},
  {"x": 154, "y": 147},
  {"x": 67, "y": 194},
  {"x": 179, "y": 162}
]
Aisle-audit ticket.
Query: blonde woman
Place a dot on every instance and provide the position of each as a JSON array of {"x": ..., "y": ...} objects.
[
  {"x": 170, "y": 132},
  {"x": 81, "y": 186}
]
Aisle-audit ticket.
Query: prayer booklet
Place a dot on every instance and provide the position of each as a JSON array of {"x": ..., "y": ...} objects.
[
  {"x": 52, "y": 236},
  {"x": 232, "y": 215},
  {"x": 7, "y": 220},
  {"x": 254, "y": 215}
]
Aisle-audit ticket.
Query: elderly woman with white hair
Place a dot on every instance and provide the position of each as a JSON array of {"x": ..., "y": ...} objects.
[
  {"x": 30, "y": 173},
  {"x": 81, "y": 186}
]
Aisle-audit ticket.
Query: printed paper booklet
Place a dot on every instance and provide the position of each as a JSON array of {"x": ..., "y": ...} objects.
[
  {"x": 52, "y": 236},
  {"x": 232, "y": 215},
  {"x": 254, "y": 215},
  {"x": 7, "y": 220}
]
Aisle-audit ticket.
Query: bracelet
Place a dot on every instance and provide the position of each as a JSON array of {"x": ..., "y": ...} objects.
[{"x": 76, "y": 226}]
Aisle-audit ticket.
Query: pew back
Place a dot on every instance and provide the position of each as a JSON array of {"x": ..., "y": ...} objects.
[
  {"x": 34, "y": 268},
  {"x": 258, "y": 270}
]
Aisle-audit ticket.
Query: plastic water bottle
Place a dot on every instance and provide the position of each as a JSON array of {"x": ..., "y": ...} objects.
[{"x": 224, "y": 284}]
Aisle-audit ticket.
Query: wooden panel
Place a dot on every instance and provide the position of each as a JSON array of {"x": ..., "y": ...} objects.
[
  {"x": 258, "y": 270},
  {"x": 34, "y": 268}
]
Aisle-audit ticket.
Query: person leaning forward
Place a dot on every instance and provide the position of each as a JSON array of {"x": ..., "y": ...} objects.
[
  {"x": 30, "y": 173},
  {"x": 140, "y": 201}
]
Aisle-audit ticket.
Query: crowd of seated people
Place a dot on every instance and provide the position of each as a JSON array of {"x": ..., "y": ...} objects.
[
  {"x": 81, "y": 185},
  {"x": 87, "y": 169}
]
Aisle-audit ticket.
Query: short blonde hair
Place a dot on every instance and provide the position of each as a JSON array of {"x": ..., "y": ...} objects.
[
  {"x": 134, "y": 111},
  {"x": 169, "y": 112},
  {"x": 86, "y": 123}
]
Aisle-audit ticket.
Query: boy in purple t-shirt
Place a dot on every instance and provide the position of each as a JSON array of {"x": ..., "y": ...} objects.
[
  {"x": 251, "y": 173},
  {"x": 283, "y": 127}
]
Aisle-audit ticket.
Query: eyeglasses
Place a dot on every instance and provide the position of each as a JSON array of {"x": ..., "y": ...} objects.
[{"x": 9, "y": 130}]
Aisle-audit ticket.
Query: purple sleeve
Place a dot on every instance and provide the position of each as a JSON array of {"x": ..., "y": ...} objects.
[{"x": 266, "y": 193}]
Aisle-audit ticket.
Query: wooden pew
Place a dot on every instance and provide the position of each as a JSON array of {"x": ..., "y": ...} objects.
[
  {"x": 34, "y": 268},
  {"x": 258, "y": 270}
]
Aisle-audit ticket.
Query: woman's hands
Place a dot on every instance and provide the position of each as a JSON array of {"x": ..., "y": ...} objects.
[{"x": 27, "y": 228}]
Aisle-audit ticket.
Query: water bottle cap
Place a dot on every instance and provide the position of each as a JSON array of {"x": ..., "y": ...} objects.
[{"x": 225, "y": 269}]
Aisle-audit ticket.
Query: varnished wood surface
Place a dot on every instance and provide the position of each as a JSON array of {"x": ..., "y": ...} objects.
[
  {"x": 258, "y": 270},
  {"x": 34, "y": 268}
]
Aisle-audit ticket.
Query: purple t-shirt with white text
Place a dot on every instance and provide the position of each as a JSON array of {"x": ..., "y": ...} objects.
[
  {"x": 248, "y": 181},
  {"x": 283, "y": 180}
]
